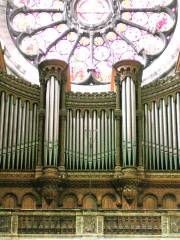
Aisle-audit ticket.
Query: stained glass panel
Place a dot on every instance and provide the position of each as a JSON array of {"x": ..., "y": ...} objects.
[{"x": 92, "y": 35}]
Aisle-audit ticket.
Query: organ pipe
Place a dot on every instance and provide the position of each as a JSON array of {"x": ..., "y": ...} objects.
[
  {"x": 124, "y": 123},
  {"x": 161, "y": 128},
  {"x": 5, "y": 132},
  {"x": 149, "y": 140},
  {"x": 94, "y": 137},
  {"x": 165, "y": 134},
  {"x": 169, "y": 128},
  {"x": 89, "y": 140},
  {"x": 133, "y": 121},
  {"x": 74, "y": 140},
  {"x": 157, "y": 131},
  {"x": 11, "y": 111},
  {"x": 174, "y": 133},
  {"x": 14, "y": 133},
  {"x": 2, "y": 111},
  {"x": 146, "y": 134},
  {"x": 153, "y": 136},
  {"x": 30, "y": 138},
  {"x": 51, "y": 122},
  {"x": 81, "y": 139},
  {"x": 129, "y": 121},
  {"x": 16, "y": 130},
  {"x": 178, "y": 125}
]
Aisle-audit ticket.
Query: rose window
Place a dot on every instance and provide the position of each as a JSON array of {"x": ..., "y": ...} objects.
[{"x": 92, "y": 35}]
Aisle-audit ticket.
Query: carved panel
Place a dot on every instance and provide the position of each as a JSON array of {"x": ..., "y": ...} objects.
[
  {"x": 90, "y": 224},
  {"x": 132, "y": 225},
  {"x": 175, "y": 225},
  {"x": 37, "y": 224},
  {"x": 5, "y": 224}
]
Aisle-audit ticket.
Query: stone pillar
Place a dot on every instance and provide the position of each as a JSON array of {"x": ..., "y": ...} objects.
[{"x": 52, "y": 77}]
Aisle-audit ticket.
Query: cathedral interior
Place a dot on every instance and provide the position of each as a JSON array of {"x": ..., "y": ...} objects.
[{"x": 89, "y": 119}]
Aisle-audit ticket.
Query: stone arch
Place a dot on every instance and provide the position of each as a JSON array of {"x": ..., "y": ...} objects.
[
  {"x": 70, "y": 201},
  {"x": 169, "y": 201},
  {"x": 150, "y": 201},
  {"x": 108, "y": 201},
  {"x": 9, "y": 200},
  {"x": 28, "y": 201},
  {"x": 89, "y": 201}
]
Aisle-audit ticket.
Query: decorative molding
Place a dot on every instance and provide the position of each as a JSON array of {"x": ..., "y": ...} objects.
[
  {"x": 19, "y": 87},
  {"x": 161, "y": 88}
]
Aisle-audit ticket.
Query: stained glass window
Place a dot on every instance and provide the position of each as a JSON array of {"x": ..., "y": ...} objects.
[{"x": 92, "y": 35}]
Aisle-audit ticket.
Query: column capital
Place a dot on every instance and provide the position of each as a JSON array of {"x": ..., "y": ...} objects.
[
  {"x": 129, "y": 68},
  {"x": 52, "y": 67}
]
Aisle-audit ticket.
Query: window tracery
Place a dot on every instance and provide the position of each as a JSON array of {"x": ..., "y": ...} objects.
[{"x": 92, "y": 35}]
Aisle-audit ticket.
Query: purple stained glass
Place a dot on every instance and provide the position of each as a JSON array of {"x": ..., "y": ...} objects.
[{"x": 91, "y": 34}]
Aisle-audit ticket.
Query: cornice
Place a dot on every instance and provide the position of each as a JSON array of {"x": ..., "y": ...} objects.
[
  {"x": 91, "y": 100},
  {"x": 161, "y": 88},
  {"x": 19, "y": 87}
]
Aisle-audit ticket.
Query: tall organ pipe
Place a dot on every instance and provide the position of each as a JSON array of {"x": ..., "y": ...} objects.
[
  {"x": 174, "y": 133},
  {"x": 51, "y": 122},
  {"x": 124, "y": 123},
  {"x": 169, "y": 127},
  {"x": 157, "y": 136},
  {"x": 133, "y": 121},
  {"x": 2, "y": 111},
  {"x": 178, "y": 125},
  {"x": 165, "y": 134}
]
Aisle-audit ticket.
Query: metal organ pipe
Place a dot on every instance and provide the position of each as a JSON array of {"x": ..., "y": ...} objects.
[
  {"x": 157, "y": 132},
  {"x": 174, "y": 133},
  {"x": 129, "y": 122},
  {"x": 133, "y": 122},
  {"x": 11, "y": 112},
  {"x": 153, "y": 164},
  {"x": 146, "y": 135},
  {"x": 14, "y": 133},
  {"x": 16, "y": 130},
  {"x": 52, "y": 122},
  {"x": 124, "y": 123},
  {"x": 178, "y": 125},
  {"x": 2, "y": 110},
  {"x": 90, "y": 140},
  {"x": 169, "y": 128},
  {"x": 165, "y": 134},
  {"x": 161, "y": 134}
]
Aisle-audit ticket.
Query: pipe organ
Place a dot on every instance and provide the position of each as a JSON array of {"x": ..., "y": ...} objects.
[
  {"x": 81, "y": 150},
  {"x": 161, "y": 134},
  {"x": 18, "y": 131},
  {"x": 90, "y": 140},
  {"x": 52, "y": 122}
]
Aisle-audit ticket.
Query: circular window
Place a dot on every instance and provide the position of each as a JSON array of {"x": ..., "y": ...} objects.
[
  {"x": 92, "y": 13},
  {"x": 94, "y": 35}
]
